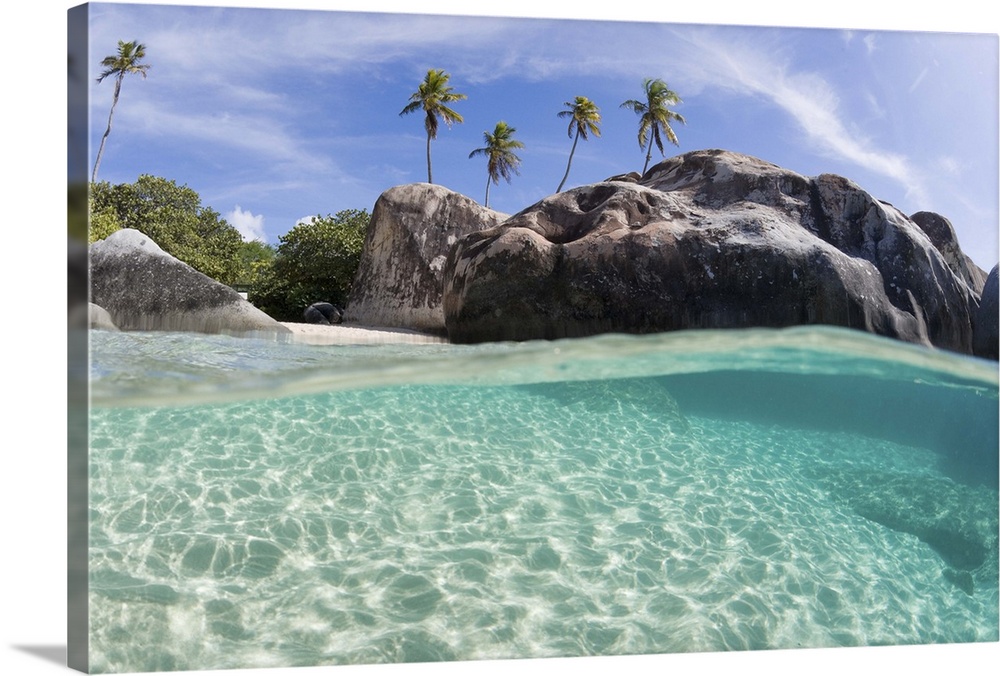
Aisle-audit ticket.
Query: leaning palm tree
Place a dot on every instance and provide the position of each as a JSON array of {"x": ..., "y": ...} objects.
[
  {"x": 499, "y": 150},
  {"x": 655, "y": 116},
  {"x": 126, "y": 61},
  {"x": 432, "y": 96},
  {"x": 584, "y": 116}
]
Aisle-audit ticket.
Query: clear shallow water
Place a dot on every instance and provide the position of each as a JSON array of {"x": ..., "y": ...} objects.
[{"x": 264, "y": 504}]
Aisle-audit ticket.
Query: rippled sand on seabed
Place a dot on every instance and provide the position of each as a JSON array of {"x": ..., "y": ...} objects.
[{"x": 443, "y": 522}]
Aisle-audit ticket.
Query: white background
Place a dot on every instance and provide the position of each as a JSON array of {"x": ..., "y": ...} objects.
[{"x": 32, "y": 262}]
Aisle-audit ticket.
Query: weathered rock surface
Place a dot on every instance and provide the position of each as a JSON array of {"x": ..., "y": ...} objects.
[
  {"x": 99, "y": 318},
  {"x": 986, "y": 334},
  {"x": 143, "y": 288},
  {"x": 400, "y": 279},
  {"x": 942, "y": 235},
  {"x": 708, "y": 239},
  {"x": 323, "y": 313}
]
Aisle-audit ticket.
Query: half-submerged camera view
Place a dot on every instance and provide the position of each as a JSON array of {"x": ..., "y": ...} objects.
[{"x": 738, "y": 396}]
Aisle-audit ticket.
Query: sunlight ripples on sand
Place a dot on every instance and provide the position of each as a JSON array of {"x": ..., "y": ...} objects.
[{"x": 442, "y": 522}]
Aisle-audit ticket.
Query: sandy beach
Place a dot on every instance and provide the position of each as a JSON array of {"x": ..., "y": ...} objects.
[{"x": 342, "y": 334}]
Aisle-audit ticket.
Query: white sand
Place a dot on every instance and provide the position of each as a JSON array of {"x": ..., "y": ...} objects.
[{"x": 340, "y": 334}]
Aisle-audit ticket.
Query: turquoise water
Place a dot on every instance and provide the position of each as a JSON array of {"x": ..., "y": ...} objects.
[{"x": 255, "y": 503}]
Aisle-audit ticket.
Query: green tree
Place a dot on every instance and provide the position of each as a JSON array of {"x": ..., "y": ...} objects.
[
  {"x": 501, "y": 161},
  {"x": 655, "y": 116},
  {"x": 102, "y": 224},
  {"x": 315, "y": 261},
  {"x": 126, "y": 61},
  {"x": 584, "y": 118},
  {"x": 432, "y": 96},
  {"x": 253, "y": 256},
  {"x": 174, "y": 218}
]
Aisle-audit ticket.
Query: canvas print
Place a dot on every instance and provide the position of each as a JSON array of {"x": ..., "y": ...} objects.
[{"x": 403, "y": 337}]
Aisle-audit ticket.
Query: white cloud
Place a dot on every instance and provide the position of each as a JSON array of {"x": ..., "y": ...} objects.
[
  {"x": 264, "y": 138},
  {"x": 808, "y": 98},
  {"x": 306, "y": 220},
  {"x": 950, "y": 165},
  {"x": 250, "y": 226},
  {"x": 870, "y": 43}
]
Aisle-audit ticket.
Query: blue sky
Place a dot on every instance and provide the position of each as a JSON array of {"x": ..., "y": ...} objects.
[{"x": 275, "y": 115}]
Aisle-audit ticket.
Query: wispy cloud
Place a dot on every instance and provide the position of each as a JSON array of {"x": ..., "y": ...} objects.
[
  {"x": 807, "y": 97},
  {"x": 263, "y": 138},
  {"x": 875, "y": 105},
  {"x": 918, "y": 80},
  {"x": 870, "y": 43}
]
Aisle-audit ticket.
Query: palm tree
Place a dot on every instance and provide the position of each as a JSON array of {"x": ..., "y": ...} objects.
[
  {"x": 432, "y": 96},
  {"x": 655, "y": 116},
  {"x": 126, "y": 61},
  {"x": 584, "y": 116},
  {"x": 499, "y": 151}
]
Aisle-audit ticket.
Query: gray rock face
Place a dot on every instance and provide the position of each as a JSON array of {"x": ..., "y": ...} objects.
[
  {"x": 708, "y": 239},
  {"x": 143, "y": 288},
  {"x": 942, "y": 235},
  {"x": 400, "y": 279},
  {"x": 99, "y": 318},
  {"x": 985, "y": 321}
]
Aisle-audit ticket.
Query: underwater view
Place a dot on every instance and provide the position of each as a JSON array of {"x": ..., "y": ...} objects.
[{"x": 259, "y": 503}]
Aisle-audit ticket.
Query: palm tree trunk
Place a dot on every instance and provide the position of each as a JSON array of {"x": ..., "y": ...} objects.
[
  {"x": 649, "y": 155},
  {"x": 568, "y": 164},
  {"x": 100, "y": 151},
  {"x": 487, "y": 203},
  {"x": 429, "y": 180}
]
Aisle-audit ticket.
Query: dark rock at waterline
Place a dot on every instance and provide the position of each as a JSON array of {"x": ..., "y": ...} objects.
[
  {"x": 985, "y": 321},
  {"x": 323, "y": 313},
  {"x": 708, "y": 239},
  {"x": 399, "y": 280},
  {"x": 143, "y": 288}
]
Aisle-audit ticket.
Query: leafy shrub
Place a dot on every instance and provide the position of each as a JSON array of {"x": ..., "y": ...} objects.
[
  {"x": 174, "y": 218},
  {"x": 315, "y": 261}
]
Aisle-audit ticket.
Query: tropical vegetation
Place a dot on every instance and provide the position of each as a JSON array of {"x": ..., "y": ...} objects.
[
  {"x": 173, "y": 217},
  {"x": 655, "y": 111},
  {"x": 127, "y": 61},
  {"x": 584, "y": 118},
  {"x": 433, "y": 96},
  {"x": 501, "y": 161},
  {"x": 655, "y": 116},
  {"x": 315, "y": 261}
]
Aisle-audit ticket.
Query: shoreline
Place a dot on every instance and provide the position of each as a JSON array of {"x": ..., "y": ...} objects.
[{"x": 344, "y": 334}]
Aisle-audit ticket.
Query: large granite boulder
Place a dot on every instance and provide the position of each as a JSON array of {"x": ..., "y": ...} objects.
[
  {"x": 942, "y": 235},
  {"x": 99, "y": 318},
  {"x": 400, "y": 278},
  {"x": 986, "y": 333},
  {"x": 708, "y": 239},
  {"x": 143, "y": 288}
]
